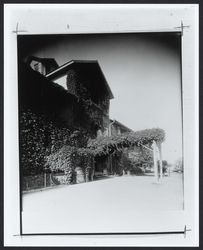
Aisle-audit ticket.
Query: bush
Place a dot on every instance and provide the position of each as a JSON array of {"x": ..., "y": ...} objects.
[{"x": 136, "y": 170}]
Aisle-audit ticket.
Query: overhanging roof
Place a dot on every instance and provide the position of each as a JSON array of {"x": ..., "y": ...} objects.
[{"x": 88, "y": 67}]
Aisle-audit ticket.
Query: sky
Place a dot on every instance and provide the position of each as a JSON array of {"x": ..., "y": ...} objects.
[{"x": 142, "y": 70}]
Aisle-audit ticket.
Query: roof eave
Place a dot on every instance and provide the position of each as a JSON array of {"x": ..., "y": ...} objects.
[
  {"x": 54, "y": 74},
  {"x": 122, "y": 125}
]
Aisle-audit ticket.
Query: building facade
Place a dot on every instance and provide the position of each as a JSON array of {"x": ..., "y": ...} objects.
[{"x": 64, "y": 106}]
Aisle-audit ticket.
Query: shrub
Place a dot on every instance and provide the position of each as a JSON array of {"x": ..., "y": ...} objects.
[{"x": 135, "y": 170}]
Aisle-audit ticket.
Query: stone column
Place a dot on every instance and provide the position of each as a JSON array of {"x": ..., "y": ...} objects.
[
  {"x": 155, "y": 161},
  {"x": 160, "y": 160}
]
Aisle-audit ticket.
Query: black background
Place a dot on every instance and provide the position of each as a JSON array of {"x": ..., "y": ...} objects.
[{"x": 2, "y": 98}]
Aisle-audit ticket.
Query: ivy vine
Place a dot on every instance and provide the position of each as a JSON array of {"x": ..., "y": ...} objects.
[{"x": 108, "y": 145}]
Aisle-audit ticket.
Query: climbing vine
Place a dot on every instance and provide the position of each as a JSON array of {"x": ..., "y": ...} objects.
[
  {"x": 39, "y": 137},
  {"x": 68, "y": 158},
  {"x": 45, "y": 146},
  {"x": 108, "y": 145},
  {"x": 33, "y": 142}
]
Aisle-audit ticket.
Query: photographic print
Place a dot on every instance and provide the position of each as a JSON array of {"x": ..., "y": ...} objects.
[{"x": 100, "y": 125}]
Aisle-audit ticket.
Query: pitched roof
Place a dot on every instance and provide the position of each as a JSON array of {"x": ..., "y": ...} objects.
[
  {"x": 90, "y": 68},
  {"x": 122, "y": 126},
  {"x": 49, "y": 63}
]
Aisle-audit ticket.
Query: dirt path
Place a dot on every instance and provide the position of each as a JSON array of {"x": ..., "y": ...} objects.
[{"x": 96, "y": 203}]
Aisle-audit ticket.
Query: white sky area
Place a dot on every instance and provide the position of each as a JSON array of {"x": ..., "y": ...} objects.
[{"x": 143, "y": 73}]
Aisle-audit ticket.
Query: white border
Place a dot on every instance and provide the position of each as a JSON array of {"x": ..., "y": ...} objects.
[{"x": 91, "y": 18}]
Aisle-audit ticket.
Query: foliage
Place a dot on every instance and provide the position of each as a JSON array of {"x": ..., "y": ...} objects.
[
  {"x": 179, "y": 165},
  {"x": 123, "y": 163},
  {"x": 136, "y": 170},
  {"x": 33, "y": 141},
  {"x": 108, "y": 145},
  {"x": 94, "y": 113},
  {"x": 126, "y": 162},
  {"x": 40, "y": 137},
  {"x": 67, "y": 159},
  {"x": 141, "y": 155},
  {"x": 130, "y": 165},
  {"x": 45, "y": 145},
  {"x": 120, "y": 162}
]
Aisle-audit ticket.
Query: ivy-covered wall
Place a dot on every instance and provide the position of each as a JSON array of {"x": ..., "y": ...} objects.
[
  {"x": 49, "y": 118},
  {"x": 98, "y": 110},
  {"x": 40, "y": 137},
  {"x": 58, "y": 131},
  {"x": 43, "y": 96}
]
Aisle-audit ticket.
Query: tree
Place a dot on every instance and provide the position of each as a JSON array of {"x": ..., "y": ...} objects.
[{"x": 179, "y": 165}]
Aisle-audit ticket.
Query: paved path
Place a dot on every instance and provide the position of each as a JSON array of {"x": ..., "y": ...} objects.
[{"x": 91, "y": 204}]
